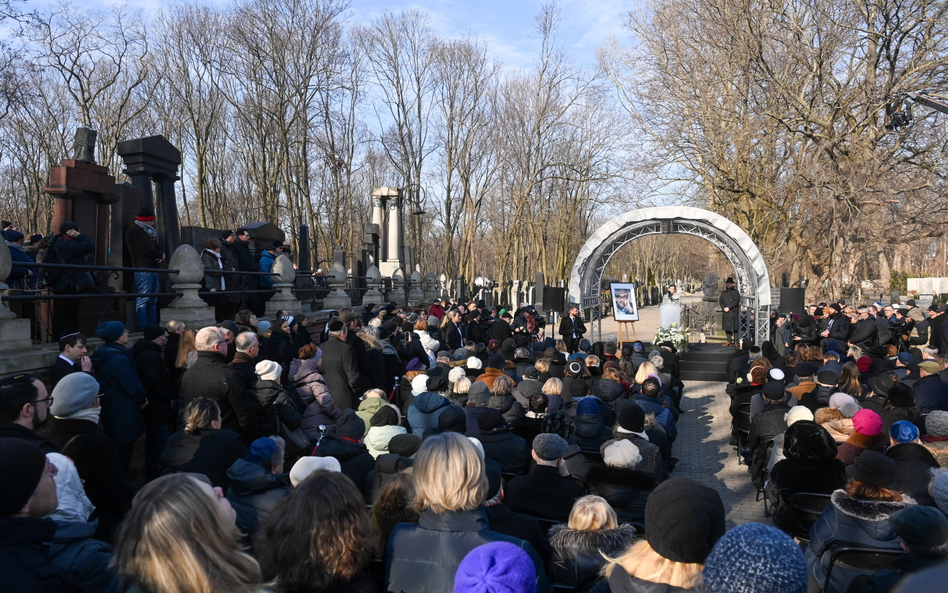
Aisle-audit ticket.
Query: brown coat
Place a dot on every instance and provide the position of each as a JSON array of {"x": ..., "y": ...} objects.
[
  {"x": 857, "y": 443},
  {"x": 802, "y": 389},
  {"x": 838, "y": 426}
]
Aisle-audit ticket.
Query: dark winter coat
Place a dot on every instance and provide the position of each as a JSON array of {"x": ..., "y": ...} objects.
[
  {"x": 931, "y": 393},
  {"x": 509, "y": 407},
  {"x": 913, "y": 465},
  {"x": 253, "y": 493},
  {"x": 851, "y": 522},
  {"x": 574, "y": 388},
  {"x": 424, "y": 557},
  {"x": 893, "y": 415},
  {"x": 154, "y": 376},
  {"x": 662, "y": 408},
  {"x": 144, "y": 250},
  {"x": 355, "y": 459},
  {"x": 123, "y": 392},
  {"x": 245, "y": 366},
  {"x": 75, "y": 550},
  {"x": 511, "y": 452},
  {"x": 341, "y": 372},
  {"x": 307, "y": 377},
  {"x": 245, "y": 259},
  {"x": 97, "y": 462},
  {"x": 841, "y": 327},
  {"x": 213, "y": 279},
  {"x": 506, "y": 522},
  {"x": 621, "y": 582},
  {"x": 210, "y": 377},
  {"x": 24, "y": 561},
  {"x": 730, "y": 299},
  {"x": 651, "y": 462},
  {"x": 577, "y": 555},
  {"x": 864, "y": 334},
  {"x": 387, "y": 466},
  {"x": 591, "y": 432},
  {"x": 885, "y": 580},
  {"x": 424, "y": 411},
  {"x": 274, "y": 407},
  {"x": 543, "y": 493},
  {"x": 626, "y": 490},
  {"x": 68, "y": 251},
  {"x": 205, "y": 451},
  {"x": 12, "y": 430},
  {"x": 568, "y": 326},
  {"x": 61, "y": 368},
  {"x": 281, "y": 350},
  {"x": 526, "y": 389},
  {"x": 792, "y": 476},
  {"x": 22, "y": 264}
]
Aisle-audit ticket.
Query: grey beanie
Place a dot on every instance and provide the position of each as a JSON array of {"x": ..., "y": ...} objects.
[
  {"x": 479, "y": 393},
  {"x": 549, "y": 446},
  {"x": 753, "y": 558},
  {"x": 73, "y": 393}
]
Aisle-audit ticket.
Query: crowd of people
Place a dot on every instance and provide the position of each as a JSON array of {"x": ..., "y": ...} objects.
[
  {"x": 848, "y": 408},
  {"x": 438, "y": 448}
]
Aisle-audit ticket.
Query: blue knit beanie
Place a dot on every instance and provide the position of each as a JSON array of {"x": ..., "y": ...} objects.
[
  {"x": 753, "y": 558},
  {"x": 498, "y": 567},
  {"x": 903, "y": 431},
  {"x": 110, "y": 331},
  {"x": 586, "y": 406},
  {"x": 261, "y": 449}
]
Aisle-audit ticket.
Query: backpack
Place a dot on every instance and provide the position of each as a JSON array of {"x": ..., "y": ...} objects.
[{"x": 530, "y": 323}]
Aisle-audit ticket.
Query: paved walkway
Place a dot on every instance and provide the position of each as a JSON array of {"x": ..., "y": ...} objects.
[
  {"x": 705, "y": 456},
  {"x": 645, "y": 327}
]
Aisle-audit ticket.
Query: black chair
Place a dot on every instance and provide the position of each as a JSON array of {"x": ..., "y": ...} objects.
[
  {"x": 743, "y": 429},
  {"x": 805, "y": 509},
  {"x": 867, "y": 560},
  {"x": 593, "y": 457}
]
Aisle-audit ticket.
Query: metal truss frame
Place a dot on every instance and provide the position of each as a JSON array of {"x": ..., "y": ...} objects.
[{"x": 748, "y": 279}]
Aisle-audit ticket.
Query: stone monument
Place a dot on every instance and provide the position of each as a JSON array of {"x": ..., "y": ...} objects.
[
  {"x": 337, "y": 298},
  {"x": 189, "y": 307},
  {"x": 283, "y": 277}
]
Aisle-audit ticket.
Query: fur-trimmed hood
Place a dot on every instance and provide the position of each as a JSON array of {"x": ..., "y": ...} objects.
[
  {"x": 861, "y": 441},
  {"x": 824, "y": 415},
  {"x": 606, "y": 540},
  {"x": 869, "y": 510},
  {"x": 599, "y": 474}
]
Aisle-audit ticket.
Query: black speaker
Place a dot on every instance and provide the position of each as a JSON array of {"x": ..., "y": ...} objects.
[
  {"x": 554, "y": 299},
  {"x": 792, "y": 300}
]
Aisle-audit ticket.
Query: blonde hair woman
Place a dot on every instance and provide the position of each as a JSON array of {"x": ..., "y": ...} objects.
[
  {"x": 683, "y": 521},
  {"x": 581, "y": 546},
  {"x": 180, "y": 537},
  {"x": 645, "y": 369},
  {"x": 450, "y": 488}
]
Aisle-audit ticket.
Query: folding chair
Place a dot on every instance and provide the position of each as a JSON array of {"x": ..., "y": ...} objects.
[{"x": 867, "y": 560}]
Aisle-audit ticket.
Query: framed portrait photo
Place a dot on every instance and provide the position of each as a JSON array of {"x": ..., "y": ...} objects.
[{"x": 623, "y": 302}]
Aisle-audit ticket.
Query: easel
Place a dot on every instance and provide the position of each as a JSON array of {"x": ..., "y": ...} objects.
[{"x": 624, "y": 329}]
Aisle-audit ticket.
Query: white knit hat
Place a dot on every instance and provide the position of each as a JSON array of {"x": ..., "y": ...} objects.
[
  {"x": 420, "y": 384},
  {"x": 798, "y": 413},
  {"x": 303, "y": 468},
  {"x": 268, "y": 370},
  {"x": 474, "y": 363},
  {"x": 621, "y": 453}
]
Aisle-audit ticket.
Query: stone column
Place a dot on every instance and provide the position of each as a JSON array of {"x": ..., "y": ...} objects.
[
  {"x": 189, "y": 307},
  {"x": 283, "y": 276},
  {"x": 379, "y": 196},
  {"x": 393, "y": 236},
  {"x": 443, "y": 292},
  {"x": 337, "y": 298}
]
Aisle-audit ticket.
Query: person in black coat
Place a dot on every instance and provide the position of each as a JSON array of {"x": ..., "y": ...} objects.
[
  {"x": 509, "y": 451},
  {"x": 28, "y": 494},
  {"x": 346, "y": 446},
  {"x": 504, "y": 521},
  {"x": 451, "y": 487},
  {"x": 154, "y": 375},
  {"x": 839, "y": 326},
  {"x": 210, "y": 377},
  {"x": 75, "y": 430},
  {"x": 71, "y": 247},
  {"x": 547, "y": 492},
  {"x": 257, "y": 483},
  {"x": 275, "y": 409},
  {"x": 931, "y": 393},
  {"x": 619, "y": 483},
  {"x": 203, "y": 447},
  {"x": 572, "y": 328},
  {"x": 452, "y": 331},
  {"x": 810, "y": 465},
  {"x": 340, "y": 366},
  {"x": 72, "y": 357},
  {"x": 764, "y": 427},
  {"x": 864, "y": 331},
  {"x": 730, "y": 302}
]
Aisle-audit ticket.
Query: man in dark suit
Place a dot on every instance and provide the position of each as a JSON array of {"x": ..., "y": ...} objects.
[
  {"x": 72, "y": 357},
  {"x": 547, "y": 492},
  {"x": 340, "y": 369},
  {"x": 572, "y": 328},
  {"x": 730, "y": 301}
]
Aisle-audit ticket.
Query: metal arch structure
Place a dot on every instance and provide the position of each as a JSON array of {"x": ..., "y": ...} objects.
[{"x": 750, "y": 269}]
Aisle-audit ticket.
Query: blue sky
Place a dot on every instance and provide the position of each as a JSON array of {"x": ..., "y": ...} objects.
[{"x": 508, "y": 25}]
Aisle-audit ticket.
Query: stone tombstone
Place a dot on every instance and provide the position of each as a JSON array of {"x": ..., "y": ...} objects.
[
  {"x": 152, "y": 164},
  {"x": 373, "y": 279},
  {"x": 337, "y": 298},
  {"x": 431, "y": 287},
  {"x": 711, "y": 287},
  {"x": 398, "y": 288},
  {"x": 416, "y": 292},
  {"x": 189, "y": 307},
  {"x": 283, "y": 275},
  {"x": 443, "y": 290},
  {"x": 14, "y": 332}
]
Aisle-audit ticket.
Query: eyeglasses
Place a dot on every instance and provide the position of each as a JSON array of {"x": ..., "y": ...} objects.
[{"x": 48, "y": 400}]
